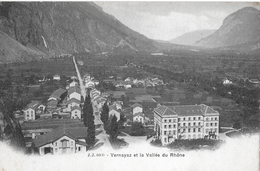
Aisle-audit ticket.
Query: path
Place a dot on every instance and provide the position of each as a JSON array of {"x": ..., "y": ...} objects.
[
  {"x": 82, "y": 87},
  {"x": 103, "y": 137}
]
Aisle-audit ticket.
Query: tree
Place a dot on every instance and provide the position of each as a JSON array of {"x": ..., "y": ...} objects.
[
  {"x": 137, "y": 129},
  {"x": 105, "y": 113},
  {"x": 237, "y": 125},
  {"x": 112, "y": 129},
  {"x": 88, "y": 119},
  {"x": 13, "y": 130}
]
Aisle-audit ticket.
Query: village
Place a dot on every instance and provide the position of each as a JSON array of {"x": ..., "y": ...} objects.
[
  {"x": 149, "y": 108},
  {"x": 56, "y": 126}
]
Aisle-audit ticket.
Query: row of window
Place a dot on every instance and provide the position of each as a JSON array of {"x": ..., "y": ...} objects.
[
  {"x": 211, "y": 124},
  {"x": 190, "y": 118},
  {"x": 189, "y": 130},
  {"x": 212, "y": 119},
  {"x": 169, "y": 120},
  {"x": 170, "y": 132},
  {"x": 28, "y": 116},
  {"x": 29, "y": 112},
  {"x": 190, "y": 124}
]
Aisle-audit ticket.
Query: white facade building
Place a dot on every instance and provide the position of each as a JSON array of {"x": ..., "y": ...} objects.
[
  {"x": 63, "y": 140},
  {"x": 137, "y": 108},
  {"x": 185, "y": 122}
]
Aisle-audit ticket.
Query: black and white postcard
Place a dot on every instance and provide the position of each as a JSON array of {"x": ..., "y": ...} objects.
[{"x": 129, "y": 85}]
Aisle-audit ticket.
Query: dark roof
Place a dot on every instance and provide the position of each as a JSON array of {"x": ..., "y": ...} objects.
[
  {"x": 74, "y": 89},
  {"x": 73, "y": 132},
  {"x": 75, "y": 107},
  {"x": 185, "y": 110},
  {"x": 57, "y": 93},
  {"x": 49, "y": 124},
  {"x": 33, "y": 105},
  {"x": 138, "y": 114},
  {"x": 72, "y": 100},
  {"x": 136, "y": 105},
  {"x": 112, "y": 107}
]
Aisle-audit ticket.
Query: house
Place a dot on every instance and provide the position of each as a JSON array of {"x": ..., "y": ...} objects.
[
  {"x": 226, "y": 81},
  {"x": 140, "y": 83},
  {"x": 157, "y": 81},
  {"x": 185, "y": 122},
  {"x": 80, "y": 62},
  {"x": 74, "y": 92},
  {"x": 73, "y": 84},
  {"x": 86, "y": 77},
  {"x": 95, "y": 81},
  {"x": 149, "y": 83},
  {"x": 101, "y": 101},
  {"x": 52, "y": 103},
  {"x": 118, "y": 104},
  {"x": 63, "y": 140},
  {"x": 56, "y": 77},
  {"x": 89, "y": 84},
  {"x": 75, "y": 112},
  {"x": 41, "y": 108},
  {"x": 127, "y": 85},
  {"x": 94, "y": 93},
  {"x": 130, "y": 79},
  {"x": 139, "y": 117},
  {"x": 73, "y": 78},
  {"x": 29, "y": 113},
  {"x": 33, "y": 108},
  {"x": 137, "y": 108},
  {"x": 71, "y": 103},
  {"x": 57, "y": 94},
  {"x": 114, "y": 112}
]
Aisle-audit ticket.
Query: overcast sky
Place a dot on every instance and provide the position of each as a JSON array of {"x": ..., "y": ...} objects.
[{"x": 167, "y": 20}]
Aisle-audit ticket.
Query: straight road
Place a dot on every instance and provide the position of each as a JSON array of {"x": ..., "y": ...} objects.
[{"x": 82, "y": 87}]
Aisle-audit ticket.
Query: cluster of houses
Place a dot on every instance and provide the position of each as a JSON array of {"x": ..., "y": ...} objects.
[{"x": 130, "y": 82}]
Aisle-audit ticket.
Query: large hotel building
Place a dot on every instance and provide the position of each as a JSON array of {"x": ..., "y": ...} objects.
[{"x": 185, "y": 122}]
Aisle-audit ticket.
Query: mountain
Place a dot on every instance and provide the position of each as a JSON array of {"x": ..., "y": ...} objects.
[
  {"x": 13, "y": 51},
  {"x": 56, "y": 28},
  {"x": 191, "y": 37},
  {"x": 240, "y": 27}
]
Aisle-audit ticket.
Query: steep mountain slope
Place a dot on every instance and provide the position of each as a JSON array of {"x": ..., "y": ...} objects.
[
  {"x": 67, "y": 27},
  {"x": 191, "y": 37},
  {"x": 12, "y": 51},
  {"x": 240, "y": 27}
]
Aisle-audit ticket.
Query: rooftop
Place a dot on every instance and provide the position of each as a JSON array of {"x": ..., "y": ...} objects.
[
  {"x": 72, "y": 132},
  {"x": 57, "y": 93},
  {"x": 73, "y": 100},
  {"x": 185, "y": 110},
  {"x": 75, "y": 107},
  {"x": 49, "y": 124},
  {"x": 74, "y": 89}
]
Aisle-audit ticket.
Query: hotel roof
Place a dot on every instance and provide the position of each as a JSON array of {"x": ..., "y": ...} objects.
[{"x": 185, "y": 110}]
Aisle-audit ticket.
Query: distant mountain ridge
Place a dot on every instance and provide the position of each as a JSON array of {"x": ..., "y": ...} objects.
[
  {"x": 240, "y": 27},
  {"x": 191, "y": 38}
]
